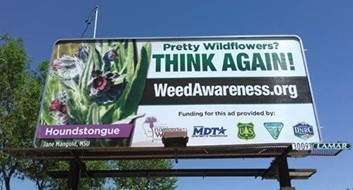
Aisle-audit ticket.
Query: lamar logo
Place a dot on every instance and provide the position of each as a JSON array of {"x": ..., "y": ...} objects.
[
  {"x": 303, "y": 130},
  {"x": 246, "y": 131},
  {"x": 201, "y": 131}
]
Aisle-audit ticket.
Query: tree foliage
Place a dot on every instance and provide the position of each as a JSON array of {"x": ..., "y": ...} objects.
[
  {"x": 18, "y": 104},
  {"x": 149, "y": 183}
]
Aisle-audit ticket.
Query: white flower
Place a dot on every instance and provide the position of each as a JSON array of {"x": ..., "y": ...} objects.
[{"x": 68, "y": 67}]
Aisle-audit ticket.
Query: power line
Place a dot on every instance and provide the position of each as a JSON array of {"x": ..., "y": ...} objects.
[{"x": 89, "y": 20}]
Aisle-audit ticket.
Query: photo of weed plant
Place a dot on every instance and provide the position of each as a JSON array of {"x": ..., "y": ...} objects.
[{"x": 95, "y": 82}]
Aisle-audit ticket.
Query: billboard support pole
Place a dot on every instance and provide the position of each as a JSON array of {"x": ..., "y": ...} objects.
[
  {"x": 283, "y": 174},
  {"x": 280, "y": 166},
  {"x": 95, "y": 22},
  {"x": 74, "y": 175}
]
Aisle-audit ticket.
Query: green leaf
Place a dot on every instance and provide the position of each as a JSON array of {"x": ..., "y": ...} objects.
[
  {"x": 135, "y": 92},
  {"x": 93, "y": 114}
]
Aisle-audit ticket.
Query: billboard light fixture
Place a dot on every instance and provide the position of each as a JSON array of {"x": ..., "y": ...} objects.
[{"x": 175, "y": 138}]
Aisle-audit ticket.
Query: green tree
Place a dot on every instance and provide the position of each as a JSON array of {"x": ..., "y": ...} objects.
[
  {"x": 36, "y": 172},
  {"x": 85, "y": 182},
  {"x": 149, "y": 183},
  {"x": 19, "y": 107},
  {"x": 18, "y": 104}
]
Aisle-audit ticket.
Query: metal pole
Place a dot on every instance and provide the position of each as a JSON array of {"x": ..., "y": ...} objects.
[
  {"x": 95, "y": 22},
  {"x": 283, "y": 175},
  {"x": 73, "y": 180}
]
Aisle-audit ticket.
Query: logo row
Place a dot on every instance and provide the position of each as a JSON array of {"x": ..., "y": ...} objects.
[
  {"x": 302, "y": 130},
  {"x": 246, "y": 131}
]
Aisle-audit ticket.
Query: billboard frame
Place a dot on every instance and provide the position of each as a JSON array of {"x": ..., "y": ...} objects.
[{"x": 245, "y": 37}]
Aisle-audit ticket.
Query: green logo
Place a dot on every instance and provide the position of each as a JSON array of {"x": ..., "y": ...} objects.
[
  {"x": 274, "y": 128},
  {"x": 246, "y": 131}
]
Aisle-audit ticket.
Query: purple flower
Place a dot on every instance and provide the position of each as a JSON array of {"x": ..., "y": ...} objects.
[
  {"x": 56, "y": 105},
  {"x": 112, "y": 55},
  {"x": 99, "y": 83},
  {"x": 107, "y": 58},
  {"x": 105, "y": 87},
  {"x": 56, "y": 64},
  {"x": 151, "y": 121}
]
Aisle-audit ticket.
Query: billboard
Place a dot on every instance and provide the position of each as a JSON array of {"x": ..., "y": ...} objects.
[{"x": 219, "y": 90}]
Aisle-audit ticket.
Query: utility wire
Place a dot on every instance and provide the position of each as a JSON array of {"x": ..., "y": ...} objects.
[{"x": 89, "y": 20}]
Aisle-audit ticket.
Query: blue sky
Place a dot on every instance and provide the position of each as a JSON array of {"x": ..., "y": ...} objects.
[{"x": 324, "y": 26}]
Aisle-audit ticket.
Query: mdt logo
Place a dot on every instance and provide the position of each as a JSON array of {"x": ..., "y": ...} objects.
[{"x": 201, "y": 131}]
